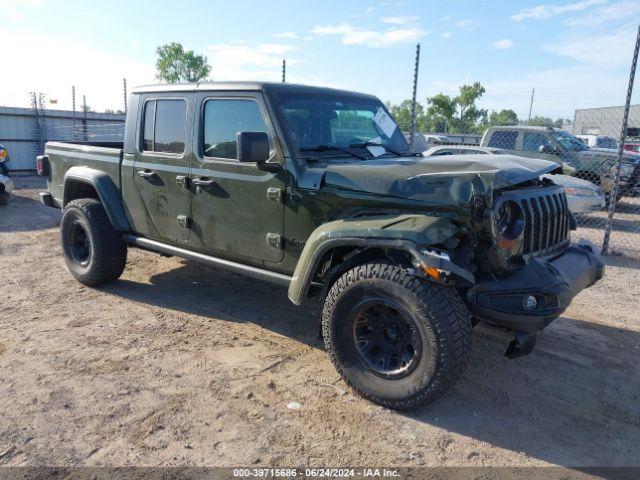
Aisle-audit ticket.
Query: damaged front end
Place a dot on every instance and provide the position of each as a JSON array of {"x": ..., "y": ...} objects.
[{"x": 535, "y": 271}]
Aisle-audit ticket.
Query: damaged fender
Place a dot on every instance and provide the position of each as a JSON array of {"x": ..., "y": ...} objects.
[{"x": 409, "y": 233}]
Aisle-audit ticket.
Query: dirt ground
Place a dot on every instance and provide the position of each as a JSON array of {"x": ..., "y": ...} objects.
[{"x": 180, "y": 364}]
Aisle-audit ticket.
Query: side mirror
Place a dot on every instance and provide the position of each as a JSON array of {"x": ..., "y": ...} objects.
[
  {"x": 252, "y": 146},
  {"x": 544, "y": 149}
]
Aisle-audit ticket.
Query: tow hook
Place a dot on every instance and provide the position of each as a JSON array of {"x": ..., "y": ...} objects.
[{"x": 521, "y": 345}]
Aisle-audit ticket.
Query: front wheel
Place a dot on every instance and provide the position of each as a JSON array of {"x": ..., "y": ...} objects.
[
  {"x": 93, "y": 251},
  {"x": 396, "y": 339}
]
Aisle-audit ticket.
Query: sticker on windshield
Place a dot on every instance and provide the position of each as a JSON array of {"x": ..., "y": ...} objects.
[{"x": 385, "y": 122}]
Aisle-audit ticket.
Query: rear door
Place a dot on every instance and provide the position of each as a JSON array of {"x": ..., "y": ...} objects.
[
  {"x": 505, "y": 139},
  {"x": 237, "y": 207},
  {"x": 161, "y": 167}
]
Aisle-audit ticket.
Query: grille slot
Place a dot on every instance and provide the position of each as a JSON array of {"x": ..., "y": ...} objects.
[{"x": 546, "y": 220}]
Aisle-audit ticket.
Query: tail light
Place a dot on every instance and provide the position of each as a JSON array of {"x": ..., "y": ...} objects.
[{"x": 42, "y": 164}]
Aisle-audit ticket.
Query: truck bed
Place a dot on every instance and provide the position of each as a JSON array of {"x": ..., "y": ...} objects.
[{"x": 103, "y": 156}]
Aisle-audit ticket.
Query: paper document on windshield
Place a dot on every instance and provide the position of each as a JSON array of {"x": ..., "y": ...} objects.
[
  {"x": 385, "y": 122},
  {"x": 375, "y": 150}
]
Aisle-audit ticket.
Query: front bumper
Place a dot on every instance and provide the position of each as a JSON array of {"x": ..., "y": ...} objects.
[{"x": 553, "y": 283}]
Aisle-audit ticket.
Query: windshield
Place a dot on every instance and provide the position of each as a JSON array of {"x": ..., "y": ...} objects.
[
  {"x": 316, "y": 119},
  {"x": 569, "y": 142}
]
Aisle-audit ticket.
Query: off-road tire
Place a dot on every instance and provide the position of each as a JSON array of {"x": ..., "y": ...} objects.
[
  {"x": 107, "y": 253},
  {"x": 4, "y": 198},
  {"x": 443, "y": 324}
]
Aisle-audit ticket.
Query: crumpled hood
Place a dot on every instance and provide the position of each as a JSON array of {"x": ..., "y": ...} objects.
[{"x": 447, "y": 180}]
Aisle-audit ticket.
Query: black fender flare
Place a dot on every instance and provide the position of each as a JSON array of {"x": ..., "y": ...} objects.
[{"x": 107, "y": 191}]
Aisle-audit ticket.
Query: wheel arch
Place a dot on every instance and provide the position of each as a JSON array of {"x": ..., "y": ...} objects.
[
  {"x": 85, "y": 182},
  {"x": 337, "y": 246}
]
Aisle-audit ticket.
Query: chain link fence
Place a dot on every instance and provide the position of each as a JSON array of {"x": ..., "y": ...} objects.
[{"x": 598, "y": 164}]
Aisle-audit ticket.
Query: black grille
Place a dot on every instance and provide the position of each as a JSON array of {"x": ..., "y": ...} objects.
[{"x": 546, "y": 215}]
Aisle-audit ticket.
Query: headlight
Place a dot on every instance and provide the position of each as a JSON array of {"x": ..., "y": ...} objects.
[
  {"x": 3, "y": 155},
  {"x": 580, "y": 192},
  {"x": 509, "y": 220}
]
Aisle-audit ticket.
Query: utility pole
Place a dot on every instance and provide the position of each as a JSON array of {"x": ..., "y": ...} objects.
[
  {"x": 84, "y": 119},
  {"x": 413, "y": 99},
  {"x": 124, "y": 87},
  {"x": 73, "y": 106},
  {"x": 533, "y": 91},
  {"x": 284, "y": 70}
]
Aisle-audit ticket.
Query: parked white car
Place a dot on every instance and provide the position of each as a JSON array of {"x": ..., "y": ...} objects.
[
  {"x": 599, "y": 141},
  {"x": 582, "y": 196}
]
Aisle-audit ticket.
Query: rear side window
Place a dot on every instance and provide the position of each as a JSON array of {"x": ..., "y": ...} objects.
[
  {"x": 164, "y": 128},
  {"x": 533, "y": 141},
  {"x": 504, "y": 139},
  {"x": 223, "y": 119}
]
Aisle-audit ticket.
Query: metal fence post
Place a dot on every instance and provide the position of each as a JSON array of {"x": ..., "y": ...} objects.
[
  {"x": 623, "y": 137},
  {"x": 413, "y": 101}
]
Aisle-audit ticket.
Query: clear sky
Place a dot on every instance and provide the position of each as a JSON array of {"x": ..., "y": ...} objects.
[{"x": 575, "y": 53}]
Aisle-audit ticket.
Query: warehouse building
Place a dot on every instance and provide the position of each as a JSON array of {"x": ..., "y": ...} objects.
[
  {"x": 23, "y": 131},
  {"x": 606, "y": 121}
]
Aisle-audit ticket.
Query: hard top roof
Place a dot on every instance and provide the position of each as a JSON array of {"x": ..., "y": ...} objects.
[{"x": 238, "y": 86}]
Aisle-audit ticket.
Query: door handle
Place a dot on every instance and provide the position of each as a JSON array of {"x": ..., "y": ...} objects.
[
  {"x": 147, "y": 173},
  {"x": 203, "y": 182}
]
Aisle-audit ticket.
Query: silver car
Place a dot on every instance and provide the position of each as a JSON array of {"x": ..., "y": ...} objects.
[{"x": 582, "y": 196}]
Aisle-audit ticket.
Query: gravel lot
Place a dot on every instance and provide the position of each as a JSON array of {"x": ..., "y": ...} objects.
[{"x": 180, "y": 364}]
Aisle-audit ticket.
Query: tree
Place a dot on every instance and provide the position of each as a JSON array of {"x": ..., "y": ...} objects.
[
  {"x": 469, "y": 113},
  {"x": 402, "y": 114},
  {"x": 503, "y": 117},
  {"x": 175, "y": 64},
  {"x": 446, "y": 114},
  {"x": 439, "y": 117},
  {"x": 546, "y": 122}
]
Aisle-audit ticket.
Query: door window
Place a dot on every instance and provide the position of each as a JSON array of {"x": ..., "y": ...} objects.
[
  {"x": 533, "y": 141},
  {"x": 223, "y": 119},
  {"x": 504, "y": 139},
  {"x": 164, "y": 128}
]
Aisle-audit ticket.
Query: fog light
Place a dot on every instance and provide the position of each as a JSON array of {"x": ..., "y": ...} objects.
[{"x": 530, "y": 302}]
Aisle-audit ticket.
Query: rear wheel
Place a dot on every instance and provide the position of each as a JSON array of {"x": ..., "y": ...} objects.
[
  {"x": 397, "y": 340},
  {"x": 94, "y": 252}
]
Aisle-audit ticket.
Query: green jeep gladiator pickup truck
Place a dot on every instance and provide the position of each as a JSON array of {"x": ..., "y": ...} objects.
[{"x": 315, "y": 188}]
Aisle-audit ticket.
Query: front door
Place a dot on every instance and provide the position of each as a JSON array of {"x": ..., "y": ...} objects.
[
  {"x": 161, "y": 167},
  {"x": 237, "y": 207}
]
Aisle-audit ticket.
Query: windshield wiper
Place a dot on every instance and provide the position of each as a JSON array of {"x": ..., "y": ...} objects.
[
  {"x": 326, "y": 148},
  {"x": 376, "y": 144}
]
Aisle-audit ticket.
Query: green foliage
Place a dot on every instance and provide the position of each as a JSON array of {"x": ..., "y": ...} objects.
[
  {"x": 444, "y": 113},
  {"x": 546, "y": 122},
  {"x": 175, "y": 64},
  {"x": 503, "y": 117},
  {"x": 402, "y": 113},
  {"x": 470, "y": 115}
]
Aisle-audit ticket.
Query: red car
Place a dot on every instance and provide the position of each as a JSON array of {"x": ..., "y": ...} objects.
[{"x": 633, "y": 147}]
